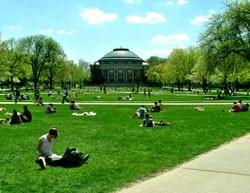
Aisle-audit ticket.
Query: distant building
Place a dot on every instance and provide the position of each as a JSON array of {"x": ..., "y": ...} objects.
[{"x": 120, "y": 66}]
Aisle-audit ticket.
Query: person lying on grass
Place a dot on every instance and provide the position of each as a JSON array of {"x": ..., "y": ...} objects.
[
  {"x": 126, "y": 98},
  {"x": 2, "y": 109},
  {"x": 148, "y": 122},
  {"x": 239, "y": 107}
]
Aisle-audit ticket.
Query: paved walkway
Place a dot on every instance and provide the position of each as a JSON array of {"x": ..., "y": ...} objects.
[
  {"x": 223, "y": 170},
  {"x": 126, "y": 103}
]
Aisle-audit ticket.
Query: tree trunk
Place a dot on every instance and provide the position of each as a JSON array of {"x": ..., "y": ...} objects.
[
  {"x": 204, "y": 85},
  {"x": 11, "y": 83},
  {"x": 51, "y": 82},
  {"x": 62, "y": 84},
  {"x": 237, "y": 84},
  {"x": 179, "y": 85},
  {"x": 226, "y": 92},
  {"x": 189, "y": 85}
]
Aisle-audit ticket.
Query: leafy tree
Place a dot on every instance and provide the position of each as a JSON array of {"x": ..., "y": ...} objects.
[
  {"x": 40, "y": 51},
  {"x": 84, "y": 72},
  {"x": 200, "y": 72},
  {"x": 55, "y": 54},
  {"x": 154, "y": 70},
  {"x": 14, "y": 60},
  {"x": 177, "y": 65},
  {"x": 63, "y": 74},
  {"x": 2, "y": 62},
  {"x": 228, "y": 33},
  {"x": 229, "y": 71}
]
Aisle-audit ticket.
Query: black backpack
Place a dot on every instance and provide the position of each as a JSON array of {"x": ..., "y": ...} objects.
[{"x": 73, "y": 158}]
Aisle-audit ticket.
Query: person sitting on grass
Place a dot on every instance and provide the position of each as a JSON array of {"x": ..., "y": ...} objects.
[
  {"x": 155, "y": 108},
  {"x": 15, "y": 118},
  {"x": 74, "y": 106},
  {"x": 47, "y": 157},
  {"x": 26, "y": 115},
  {"x": 160, "y": 105},
  {"x": 44, "y": 148},
  {"x": 140, "y": 113},
  {"x": 50, "y": 108}
]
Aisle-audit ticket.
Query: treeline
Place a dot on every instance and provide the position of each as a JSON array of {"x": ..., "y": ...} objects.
[
  {"x": 222, "y": 57},
  {"x": 39, "y": 59}
]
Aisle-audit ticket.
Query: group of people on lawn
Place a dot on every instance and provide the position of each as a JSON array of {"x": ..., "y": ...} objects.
[
  {"x": 16, "y": 118},
  {"x": 45, "y": 145},
  {"x": 239, "y": 107},
  {"x": 26, "y": 116},
  {"x": 144, "y": 113}
]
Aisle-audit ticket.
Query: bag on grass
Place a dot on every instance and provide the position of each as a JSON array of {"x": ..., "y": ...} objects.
[{"x": 74, "y": 158}]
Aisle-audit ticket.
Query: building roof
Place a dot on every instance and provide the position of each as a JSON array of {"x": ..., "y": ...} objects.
[{"x": 120, "y": 54}]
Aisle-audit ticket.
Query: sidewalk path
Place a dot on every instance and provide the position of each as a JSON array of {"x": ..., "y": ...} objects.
[
  {"x": 223, "y": 170},
  {"x": 127, "y": 103}
]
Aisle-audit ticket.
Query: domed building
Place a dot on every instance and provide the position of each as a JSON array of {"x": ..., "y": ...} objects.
[{"x": 120, "y": 66}]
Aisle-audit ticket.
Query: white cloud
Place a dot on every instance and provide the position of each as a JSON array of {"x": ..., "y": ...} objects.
[
  {"x": 169, "y": 2},
  {"x": 47, "y": 31},
  {"x": 96, "y": 16},
  {"x": 149, "y": 18},
  {"x": 170, "y": 39},
  {"x": 14, "y": 28},
  {"x": 58, "y": 32},
  {"x": 199, "y": 20},
  {"x": 182, "y": 2},
  {"x": 147, "y": 53},
  {"x": 66, "y": 33},
  {"x": 176, "y": 2},
  {"x": 132, "y": 1}
]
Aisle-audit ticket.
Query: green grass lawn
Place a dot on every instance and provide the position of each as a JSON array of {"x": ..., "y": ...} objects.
[{"x": 120, "y": 151}]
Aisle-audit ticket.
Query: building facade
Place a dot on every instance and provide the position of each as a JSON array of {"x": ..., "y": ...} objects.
[{"x": 120, "y": 66}]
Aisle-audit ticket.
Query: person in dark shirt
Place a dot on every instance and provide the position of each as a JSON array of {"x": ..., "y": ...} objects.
[
  {"x": 15, "y": 119},
  {"x": 147, "y": 122},
  {"x": 26, "y": 115},
  {"x": 155, "y": 108}
]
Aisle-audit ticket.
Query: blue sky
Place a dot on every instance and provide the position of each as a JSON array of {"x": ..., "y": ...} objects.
[{"x": 89, "y": 29}]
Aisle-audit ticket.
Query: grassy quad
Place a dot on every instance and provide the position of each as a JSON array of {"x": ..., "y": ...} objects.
[{"x": 120, "y": 151}]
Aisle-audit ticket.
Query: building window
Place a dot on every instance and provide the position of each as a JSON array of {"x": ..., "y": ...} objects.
[
  {"x": 120, "y": 75},
  {"x": 137, "y": 75},
  {"x": 111, "y": 75},
  {"x": 105, "y": 74},
  {"x": 129, "y": 75}
]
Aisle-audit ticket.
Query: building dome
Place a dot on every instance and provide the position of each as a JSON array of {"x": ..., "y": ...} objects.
[{"x": 120, "y": 54}]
